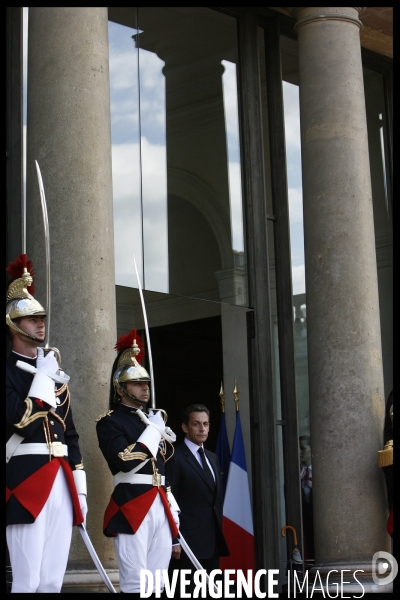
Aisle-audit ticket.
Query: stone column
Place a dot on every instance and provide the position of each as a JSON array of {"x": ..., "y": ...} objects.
[
  {"x": 344, "y": 344},
  {"x": 69, "y": 136}
]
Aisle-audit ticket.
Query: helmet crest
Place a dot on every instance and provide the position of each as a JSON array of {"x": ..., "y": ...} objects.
[
  {"x": 127, "y": 365},
  {"x": 19, "y": 298},
  {"x": 18, "y": 268},
  {"x": 130, "y": 345}
]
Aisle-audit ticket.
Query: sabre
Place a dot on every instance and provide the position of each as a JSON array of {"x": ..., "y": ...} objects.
[
  {"x": 184, "y": 544},
  {"x": 146, "y": 326},
  {"x": 194, "y": 560},
  {"x": 47, "y": 245},
  {"x": 81, "y": 528},
  {"x": 95, "y": 558}
]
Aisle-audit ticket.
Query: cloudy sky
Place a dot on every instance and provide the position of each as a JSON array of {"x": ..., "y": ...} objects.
[
  {"x": 125, "y": 63},
  {"x": 293, "y": 159},
  {"x": 139, "y": 162}
]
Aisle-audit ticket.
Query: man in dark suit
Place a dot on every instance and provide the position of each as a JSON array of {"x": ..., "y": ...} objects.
[{"x": 195, "y": 477}]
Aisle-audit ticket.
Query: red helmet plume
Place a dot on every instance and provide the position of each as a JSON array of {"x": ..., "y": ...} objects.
[
  {"x": 15, "y": 270},
  {"x": 126, "y": 341}
]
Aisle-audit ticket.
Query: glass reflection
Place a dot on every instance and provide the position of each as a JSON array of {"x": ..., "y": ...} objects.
[
  {"x": 182, "y": 158},
  {"x": 229, "y": 84},
  {"x": 153, "y": 166},
  {"x": 125, "y": 152},
  {"x": 295, "y": 192}
]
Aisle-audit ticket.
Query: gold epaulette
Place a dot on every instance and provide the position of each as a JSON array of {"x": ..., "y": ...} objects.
[{"x": 106, "y": 414}]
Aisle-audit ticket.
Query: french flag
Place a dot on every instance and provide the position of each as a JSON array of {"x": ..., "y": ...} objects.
[{"x": 237, "y": 522}]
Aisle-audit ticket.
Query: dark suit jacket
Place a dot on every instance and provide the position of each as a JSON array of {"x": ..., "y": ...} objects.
[{"x": 201, "y": 506}]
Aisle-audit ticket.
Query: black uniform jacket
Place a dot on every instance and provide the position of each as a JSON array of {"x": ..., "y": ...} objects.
[
  {"x": 26, "y": 416},
  {"x": 117, "y": 432},
  {"x": 201, "y": 506}
]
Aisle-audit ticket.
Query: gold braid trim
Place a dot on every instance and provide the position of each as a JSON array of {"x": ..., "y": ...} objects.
[
  {"x": 60, "y": 391},
  {"x": 28, "y": 418},
  {"x": 67, "y": 399},
  {"x": 127, "y": 454},
  {"x": 79, "y": 467},
  {"x": 47, "y": 435},
  {"x": 107, "y": 414},
  {"x": 53, "y": 414}
]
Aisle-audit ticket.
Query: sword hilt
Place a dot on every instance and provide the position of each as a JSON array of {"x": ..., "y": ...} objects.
[
  {"x": 164, "y": 413},
  {"x": 57, "y": 354}
]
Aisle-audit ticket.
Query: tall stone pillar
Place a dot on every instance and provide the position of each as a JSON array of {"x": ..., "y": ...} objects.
[
  {"x": 69, "y": 136},
  {"x": 344, "y": 345}
]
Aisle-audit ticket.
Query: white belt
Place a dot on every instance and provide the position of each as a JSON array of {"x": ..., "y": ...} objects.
[
  {"x": 137, "y": 478},
  {"x": 57, "y": 449}
]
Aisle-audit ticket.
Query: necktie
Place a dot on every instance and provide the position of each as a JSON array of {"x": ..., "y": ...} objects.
[{"x": 206, "y": 468}]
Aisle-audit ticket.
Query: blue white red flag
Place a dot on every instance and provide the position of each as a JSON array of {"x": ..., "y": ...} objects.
[
  {"x": 223, "y": 452},
  {"x": 237, "y": 522}
]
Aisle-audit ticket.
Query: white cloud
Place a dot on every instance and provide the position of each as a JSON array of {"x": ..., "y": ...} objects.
[
  {"x": 298, "y": 279},
  {"x": 295, "y": 205},
  {"x": 292, "y": 115},
  {"x": 229, "y": 86},
  {"x": 235, "y": 194},
  {"x": 128, "y": 213},
  {"x": 123, "y": 67}
]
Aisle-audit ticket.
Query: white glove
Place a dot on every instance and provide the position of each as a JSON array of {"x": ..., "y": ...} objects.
[
  {"x": 84, "y": 506},
  {"x": 175, "y": 510},
  {"x": 48, "y": 361},
  {"x": 81, "y": 488},
  {"x": 150, "y": 438},
  {"x": 43, "y": 387},
  {"x": 46, "y": 373},
  {"x": 155, "y": 420}
]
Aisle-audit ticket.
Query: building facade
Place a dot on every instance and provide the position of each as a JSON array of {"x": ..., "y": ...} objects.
[{"x": 244, "y": 158}]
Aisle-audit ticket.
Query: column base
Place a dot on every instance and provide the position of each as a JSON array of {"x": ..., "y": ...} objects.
[{"x": 88, "y": 581}]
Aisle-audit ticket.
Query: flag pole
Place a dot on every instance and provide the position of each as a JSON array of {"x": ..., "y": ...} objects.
[
  {"x": 236, "y": 396},
  {"x": 222, "y": 398},
  {"x": 222, "y": 447}
]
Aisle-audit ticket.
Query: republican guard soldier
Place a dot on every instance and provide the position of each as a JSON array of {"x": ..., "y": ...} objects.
[
  {"x": 142, "y": 515},
  {"x": 45, "y": 479}
]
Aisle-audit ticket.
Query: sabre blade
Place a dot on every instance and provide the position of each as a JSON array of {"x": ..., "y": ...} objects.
[
  {"x": 194, "y": 560},
  {"x": 146, "y": 326},
  {"x": 95, "y": 558},
  {"x": 47, "y": 246}
]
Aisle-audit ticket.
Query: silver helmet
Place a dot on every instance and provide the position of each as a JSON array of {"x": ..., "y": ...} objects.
[
  {"x": 128, "y": 367},
  {"x": 19, "y": 301}
]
